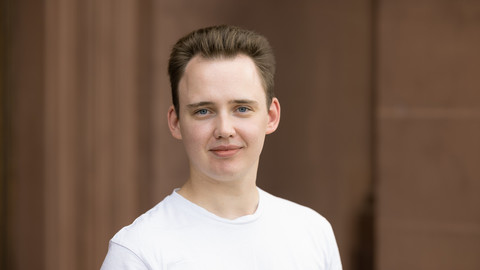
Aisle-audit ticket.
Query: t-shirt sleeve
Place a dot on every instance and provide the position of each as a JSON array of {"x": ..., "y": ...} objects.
[
  {"x": 121, "y": 258},
  {"x": 335, "y": 261}
]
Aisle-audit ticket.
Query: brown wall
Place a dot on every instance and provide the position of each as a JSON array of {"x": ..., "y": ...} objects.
[
  {"x": 380, "y": 120},
  {"x": 428, "y": 115},
  {"x": 22, "y": 135}
]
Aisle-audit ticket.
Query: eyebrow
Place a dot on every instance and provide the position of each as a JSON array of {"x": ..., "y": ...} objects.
[
  {"x": 243, "y": 101},
  {"x": 209, "y": 103},
  {"x": 199, "y": 104}
]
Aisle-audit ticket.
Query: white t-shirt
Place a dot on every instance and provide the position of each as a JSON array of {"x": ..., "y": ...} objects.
[{"x": 178, "y": 234}]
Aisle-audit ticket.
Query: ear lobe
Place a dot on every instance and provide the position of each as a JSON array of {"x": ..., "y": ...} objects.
[
  {"x": 174, "y": 123},
  {"x": 273, "y": 116}
]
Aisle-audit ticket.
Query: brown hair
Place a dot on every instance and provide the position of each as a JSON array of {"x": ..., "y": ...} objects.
[{"x": 222, "y": 41}]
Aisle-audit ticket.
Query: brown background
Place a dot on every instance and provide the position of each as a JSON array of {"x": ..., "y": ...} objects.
[{"x": 380, "y": 127}]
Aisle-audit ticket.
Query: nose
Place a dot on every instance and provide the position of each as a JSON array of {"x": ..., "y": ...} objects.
[{"x": 224, "y": 127}]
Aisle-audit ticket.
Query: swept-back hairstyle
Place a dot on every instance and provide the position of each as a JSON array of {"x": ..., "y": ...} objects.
[{"x": 222, "y": 41}]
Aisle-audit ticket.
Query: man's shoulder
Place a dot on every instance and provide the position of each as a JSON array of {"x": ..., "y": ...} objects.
[
  {"x": 155, "y": 222},
  {"x": 287, "y": 208}
]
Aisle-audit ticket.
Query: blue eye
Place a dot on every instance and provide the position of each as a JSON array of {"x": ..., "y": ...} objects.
[
  {"x": 242, "y": 109},
  {"x": 202, "y": 111}
]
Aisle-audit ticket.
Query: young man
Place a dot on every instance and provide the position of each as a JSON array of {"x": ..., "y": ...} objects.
[{"x": 223, "y": 106}]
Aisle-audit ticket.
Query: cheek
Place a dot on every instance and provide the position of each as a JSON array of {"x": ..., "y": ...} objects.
[
  {"x": 195, "y": 135},
  {"x": 253, "y": 133}
]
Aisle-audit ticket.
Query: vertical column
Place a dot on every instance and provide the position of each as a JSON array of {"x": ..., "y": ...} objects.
[
  {"x": 24, "y": 109},
  {"x": 61, "y": 135},
  {"x": 92, "y": 130}
]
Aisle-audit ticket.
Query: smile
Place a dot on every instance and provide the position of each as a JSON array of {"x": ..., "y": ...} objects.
[{"x": 225, "y": 151}]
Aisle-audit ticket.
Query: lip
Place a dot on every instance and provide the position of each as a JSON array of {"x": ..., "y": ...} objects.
[{"x": 225, "y": 151}]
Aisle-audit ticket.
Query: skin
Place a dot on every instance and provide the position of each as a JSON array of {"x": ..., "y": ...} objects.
[{"x": 223, "y": 124}]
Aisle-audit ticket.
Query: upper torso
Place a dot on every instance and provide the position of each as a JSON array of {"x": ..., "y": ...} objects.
[{"x": 177, "y": 234}]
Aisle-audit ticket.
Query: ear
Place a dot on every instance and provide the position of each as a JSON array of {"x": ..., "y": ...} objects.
[
  {"x": 273, "y": 116},
  {"x": 174, "y": 123}
]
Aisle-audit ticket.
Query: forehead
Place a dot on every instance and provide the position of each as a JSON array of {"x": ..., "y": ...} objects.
[{"x": 217, "y": 78}]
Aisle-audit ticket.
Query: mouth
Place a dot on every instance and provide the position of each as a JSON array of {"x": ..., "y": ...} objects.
[{"x": 225, "y": 151}]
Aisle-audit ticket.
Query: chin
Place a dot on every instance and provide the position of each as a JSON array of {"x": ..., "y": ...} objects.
[
  {"x": 229, "y": 175},
  {"x": 225, "y": 176}
]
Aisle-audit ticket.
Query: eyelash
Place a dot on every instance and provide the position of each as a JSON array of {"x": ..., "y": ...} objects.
[
  {"x": 198, "y": 112},
  {"x": 201, "y": 110},
  {"x": 247, "y": 109}
]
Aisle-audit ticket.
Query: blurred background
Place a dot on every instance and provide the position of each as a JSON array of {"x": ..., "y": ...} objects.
[{"x": 380, "y": 128}]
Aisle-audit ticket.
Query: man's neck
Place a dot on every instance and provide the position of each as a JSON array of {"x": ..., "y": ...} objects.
[{"x": 228, "y": 200}]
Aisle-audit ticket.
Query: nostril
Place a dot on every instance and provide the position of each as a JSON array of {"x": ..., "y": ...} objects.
[{"x": 224, "y": 127}]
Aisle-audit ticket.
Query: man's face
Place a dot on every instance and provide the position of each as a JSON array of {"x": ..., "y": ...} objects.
[{"x": 224, "y": 117}]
